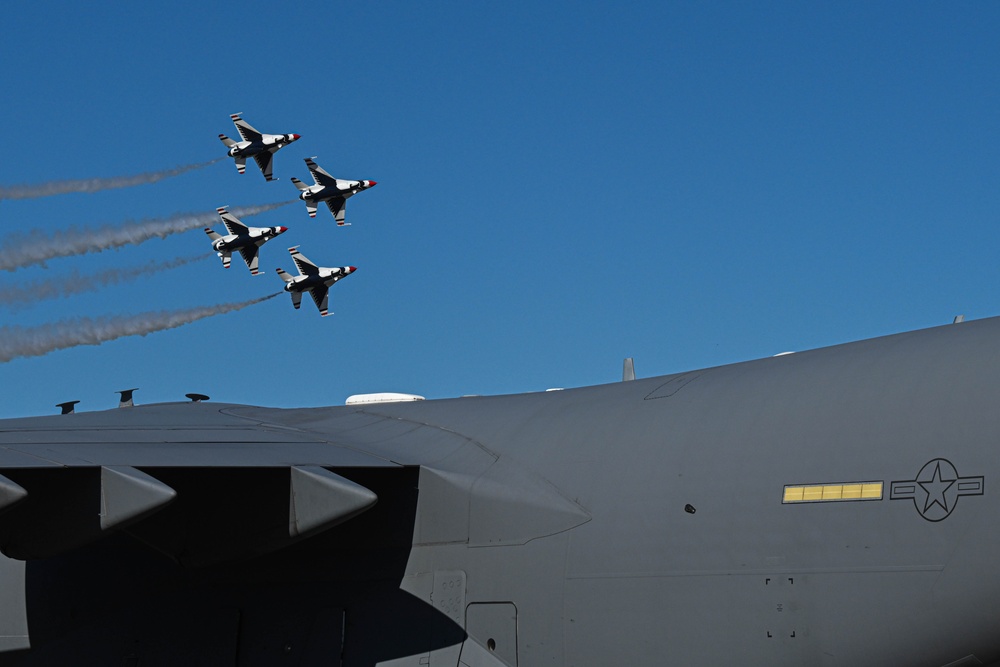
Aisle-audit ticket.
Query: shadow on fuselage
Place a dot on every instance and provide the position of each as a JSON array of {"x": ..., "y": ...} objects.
[{"x": 332, "y": 598}]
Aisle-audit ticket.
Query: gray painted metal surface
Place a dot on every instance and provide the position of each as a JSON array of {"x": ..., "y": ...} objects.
[
  {"x": 128, "y": 495},
  {"x": 319, "y": 499},
  {"x": 832, "y": 507}
]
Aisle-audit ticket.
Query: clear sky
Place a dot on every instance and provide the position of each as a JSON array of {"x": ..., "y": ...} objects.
[{"x": 560, "y": 185}]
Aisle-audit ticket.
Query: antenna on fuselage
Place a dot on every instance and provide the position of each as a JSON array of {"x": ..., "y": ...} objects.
[
  {"x": 628, "y": 370},
  {"x": 126, "y": 397}
]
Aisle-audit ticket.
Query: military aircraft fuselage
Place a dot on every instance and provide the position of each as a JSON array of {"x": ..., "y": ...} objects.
[
  {"x": 324, "y": 192},
  {"x": 258, "y": 236},
  {"x": 269, "y": 142},
  {"x": 831, "y": 507},
  {"x": 326, "y": 276}
]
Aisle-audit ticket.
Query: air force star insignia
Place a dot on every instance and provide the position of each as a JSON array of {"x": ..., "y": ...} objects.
[{"x": 936, "y": 489}]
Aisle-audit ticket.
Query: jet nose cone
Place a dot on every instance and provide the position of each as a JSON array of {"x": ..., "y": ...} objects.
[
  {"x": 282, "y": 230},
  {"x": 372, "y": 184},
  {"x": 352, "y": 269},
  {"x": 295, "y": 137}
]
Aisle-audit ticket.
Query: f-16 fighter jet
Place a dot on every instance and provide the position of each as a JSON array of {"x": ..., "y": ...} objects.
[
  {"x": 316, "y": 280},
  {"x": 332, "y": 191},
  {"x": 247, "y": 240},
  {"x": 261, "y": 147}
]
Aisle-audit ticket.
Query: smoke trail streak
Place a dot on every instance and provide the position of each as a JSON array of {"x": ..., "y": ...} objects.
[
  {"x": 50, "y": 188},
  {"x": 36, "y": 247},
  {"x": 77, "y": 282},
  {"x": 36, "y": 341}
]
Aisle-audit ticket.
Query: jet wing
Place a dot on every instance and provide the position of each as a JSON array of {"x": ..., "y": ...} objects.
[
  {"x": 233, "y": 223},
  {"x": 250, "y": 256},
  {"x": 245, "y": 130},
  {"x": 264, "y": 161},
  {"x": 338, "y": 206},
  {"x": 166, "y": 435},
  {"x": 320, "y": 177},
  {"x": 305, "y": 267},
  {"x": 83, "y": 483},
  {"x": 321, "y": 295},
  {"x": 207, "y": 482}
]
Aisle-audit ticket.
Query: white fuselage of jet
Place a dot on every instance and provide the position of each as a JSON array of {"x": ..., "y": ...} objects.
[
  {"x": 326, "y": 276},
  {"x": 344, "y": 189},
  {"x": 268, "y": 142},
  {"x": 257, "y": 236}
]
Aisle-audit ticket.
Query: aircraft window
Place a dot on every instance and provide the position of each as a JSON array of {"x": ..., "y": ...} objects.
[{"x": 821, "y": 493}]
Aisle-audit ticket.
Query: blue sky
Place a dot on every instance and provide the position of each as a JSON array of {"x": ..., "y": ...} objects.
[{"x": 560, "y": 185}]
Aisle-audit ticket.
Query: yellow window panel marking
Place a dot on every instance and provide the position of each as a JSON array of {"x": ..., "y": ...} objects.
[
  {"x": 793, "y": 494},
  {"x": 823, "y": 493},
  {"x": 833, "y": 492},
  {"x": 871, "y": 490},
  {"x": 852, "y": 491},
  {"x": 812, "y": 493}
]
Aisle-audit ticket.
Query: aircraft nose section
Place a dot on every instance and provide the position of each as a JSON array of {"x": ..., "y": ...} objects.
[
  {"x": 352, "y": 269},
  {"x": 281, "y": 230},
  {"x": 371, "y": 184},
  {"x": 295, "y": 137}
]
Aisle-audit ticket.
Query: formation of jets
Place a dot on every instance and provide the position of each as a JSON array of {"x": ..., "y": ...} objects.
[{"x": 334, "y": 192}]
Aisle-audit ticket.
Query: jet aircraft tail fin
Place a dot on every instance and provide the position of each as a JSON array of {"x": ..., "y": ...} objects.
[
  {"x": 299, "y": 184},
  {"x": 212, "y": 234},
  {"x": 284, "y": 275},
  {"x": 227, "y": 141}
]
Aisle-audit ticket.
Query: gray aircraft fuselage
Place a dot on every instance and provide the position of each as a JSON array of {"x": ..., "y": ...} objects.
[{"x": 832, "y": 507}]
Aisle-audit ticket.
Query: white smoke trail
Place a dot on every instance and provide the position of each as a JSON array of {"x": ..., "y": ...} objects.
[
  {"x": 36, "y": 341},
  {"x": 77, "y": 282},
  {"x": 50, "y": 188},
  {"x": 36, "y": 247}
]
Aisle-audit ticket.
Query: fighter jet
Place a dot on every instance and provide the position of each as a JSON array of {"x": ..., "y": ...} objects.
[
  {"x": 334, "y": 192},
  {"x": 261, "y": 147},
  {"x": 247, "y": 240},
  {"x": 316, "y": 280}
]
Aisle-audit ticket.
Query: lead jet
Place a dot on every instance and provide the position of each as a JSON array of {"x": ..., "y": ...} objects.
[
  {"x": 316, "y": 280},
  {"x": 246, "y": 240},
  {"x": 334, "y": 192},
  {"x": 261, "y": 147}
]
